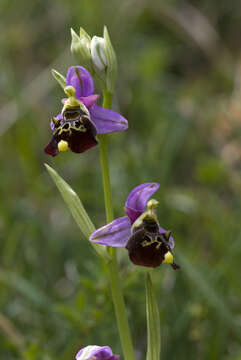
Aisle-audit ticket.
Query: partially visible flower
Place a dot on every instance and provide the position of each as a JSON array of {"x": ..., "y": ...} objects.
[
  {"x": 98, "y": 52},
  {"x": 104, "y": 59},
  {"x": 76, "y": 127},
  {"x": 97, "y": 55},
  {"x": 95, "y": 352},
  {"x": 139, "y": 231},
  {"x": 80, "y": 47}
]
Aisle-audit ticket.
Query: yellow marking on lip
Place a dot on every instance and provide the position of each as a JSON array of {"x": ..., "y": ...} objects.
[
  {"x": 168, "y": 259},
  {"x": 63, "y": 145}
]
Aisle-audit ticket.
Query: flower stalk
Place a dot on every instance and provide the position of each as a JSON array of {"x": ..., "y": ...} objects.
[
  {"x": 106, "y": 177},
  {"x": 107, "y": 102},
  {"x": 117, "y": 296},
  {"x": 120, "y": 309},
  {"x": 153, "y": 323}
]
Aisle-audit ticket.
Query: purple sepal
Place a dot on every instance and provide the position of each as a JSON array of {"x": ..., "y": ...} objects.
[
  {"x": 81, "y": 80},
  {"x": 107, "y": 121},
  {"x": 115, "y": 234},
  {"x": 136, "y": 202},
  {"x": 96, "y": 352}
]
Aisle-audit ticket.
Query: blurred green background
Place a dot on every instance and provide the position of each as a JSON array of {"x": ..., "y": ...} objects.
[{"x": 179, "y": 85}]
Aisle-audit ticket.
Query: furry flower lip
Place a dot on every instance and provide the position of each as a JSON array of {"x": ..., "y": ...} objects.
[
  {"x": 148, "y": 244},
  {"x": 80, "y": 120},
  {"x": 95, "y": 352}
]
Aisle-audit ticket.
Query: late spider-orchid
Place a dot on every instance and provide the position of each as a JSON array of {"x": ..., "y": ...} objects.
[
  {"x": 80, "y": 120},
  {"x": 139, "y": 231}
]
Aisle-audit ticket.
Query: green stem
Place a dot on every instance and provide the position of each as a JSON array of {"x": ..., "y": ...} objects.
[
  {"x": 106, "y": 177},
  {"x": 153, "y": 322},
  {"x": 117, "y": 296},
  {"x": 120, "y": 309},
  {"x": 107, "y": 101}
]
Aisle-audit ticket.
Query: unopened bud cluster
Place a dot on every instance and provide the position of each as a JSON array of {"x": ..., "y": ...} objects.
[{"x": 97, "y": 56}]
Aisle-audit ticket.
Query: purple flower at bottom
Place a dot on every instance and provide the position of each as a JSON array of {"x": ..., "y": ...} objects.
[
  {"x": 95, "y": 352},
  {"x": 76, "y": 127},
  {"x": 139, "y": 231}
]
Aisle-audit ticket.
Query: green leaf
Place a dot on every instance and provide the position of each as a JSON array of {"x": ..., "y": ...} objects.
[
  {"x": 77, "y": 210},
  {"x": 60, "y": 78},
  {"x": 153, "y": 323}
]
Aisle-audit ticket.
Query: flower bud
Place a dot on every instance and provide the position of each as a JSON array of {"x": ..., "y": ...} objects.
[
  {"x": 97, "y": 56},
  {"x": 97, "y": 47},
  {"x": 112, "y": 62},
  {"x": 80, "y": 47},
  {"x": 104, "y": 60}
]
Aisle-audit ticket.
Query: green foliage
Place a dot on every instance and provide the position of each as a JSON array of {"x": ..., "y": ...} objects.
[
  {"x": 59, "y": 78},
  {"x": 182, "y": 99},
  {"x": 77, "y": 210}
]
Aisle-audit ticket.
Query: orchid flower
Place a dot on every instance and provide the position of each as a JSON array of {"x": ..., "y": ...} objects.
[
  {"x": 95, "y": 352},
  {"x": 139, "y": 231},
  {"x": 80, "y": 120}
]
